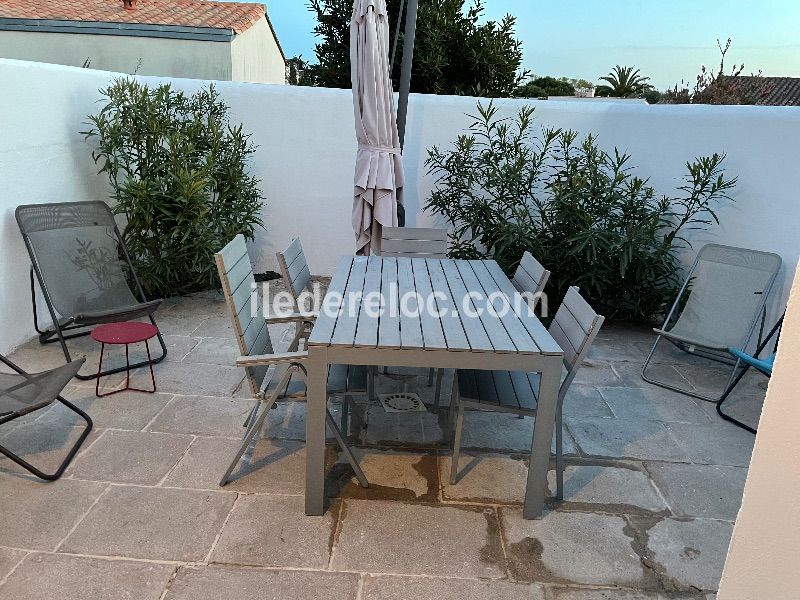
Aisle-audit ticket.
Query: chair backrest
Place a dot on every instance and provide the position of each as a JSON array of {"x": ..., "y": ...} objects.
[
  {"x": 412, "y": 242},
  {"x": 574, "y": 328},
  {"x": 530, "y": 275},
  {"x": 75, "y": 248},
  {"x": 239, "y": 286},
  {"x": 295, "y": 271},
  {"x": 729, "y": 289}
]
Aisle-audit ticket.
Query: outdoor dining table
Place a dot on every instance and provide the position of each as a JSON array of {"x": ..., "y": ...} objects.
[{"x": 433, "y": 313}]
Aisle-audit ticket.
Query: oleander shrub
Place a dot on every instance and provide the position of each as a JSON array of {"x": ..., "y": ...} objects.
[
  {"x": 179, "y": 176},
  {"x": 506, "y": 186}
]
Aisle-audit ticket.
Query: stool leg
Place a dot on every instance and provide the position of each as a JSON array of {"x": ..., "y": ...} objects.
[
  {"x": 150, "y": 362},
  {"x": 99, "y": 370},
  {"x": 127, "y": 369}
]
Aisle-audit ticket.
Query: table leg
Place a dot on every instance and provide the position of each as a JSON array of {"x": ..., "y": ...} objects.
[
  {"x": 536, "y": 489},
  {"x": 317, "y": 382}
]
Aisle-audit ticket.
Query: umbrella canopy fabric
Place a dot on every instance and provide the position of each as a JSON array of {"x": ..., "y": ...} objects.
[{"x": 379, "y": 165}]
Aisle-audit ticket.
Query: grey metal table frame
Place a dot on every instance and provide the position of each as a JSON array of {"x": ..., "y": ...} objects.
[{"x": 346, "y": 333}]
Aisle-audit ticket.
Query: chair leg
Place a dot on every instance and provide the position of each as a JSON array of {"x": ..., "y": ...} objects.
[
  {"x": 346, "y": 416},
  {"x": 430, "y": 377},
  {"x": 254, "y": 427},
  {"x": 559, "y": 455},
  {"x": 453, "y": 404},
  {"x": 437, "y": 392},
  {"x": 457, "y": 446},
  {"x": 371, "y": 384},
  {"x": 362, "y": 479},
  {"x": 70, "y": 455},
  {"x": 726, "y": 394}
]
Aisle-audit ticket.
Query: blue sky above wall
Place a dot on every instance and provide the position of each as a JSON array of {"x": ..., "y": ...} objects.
[{"x": 666, "y": 39}]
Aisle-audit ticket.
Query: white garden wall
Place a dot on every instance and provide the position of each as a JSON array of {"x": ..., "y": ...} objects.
[{"x": 307, "y": 148}]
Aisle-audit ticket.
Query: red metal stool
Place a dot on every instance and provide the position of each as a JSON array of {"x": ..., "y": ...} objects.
[{"x": 130, "y": 332}]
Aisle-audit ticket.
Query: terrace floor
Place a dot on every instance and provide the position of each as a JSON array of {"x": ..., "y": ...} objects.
[{"x": 653, "y": 486}]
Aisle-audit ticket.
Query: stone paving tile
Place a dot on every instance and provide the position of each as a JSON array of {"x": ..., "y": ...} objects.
[
  {"x": 151, "y": 523},
  {"x": 44, "y": 445},
  {"x": 216, "y": 583},
  {"x": 653, "y": 403},
  {"x": 273, "y": 531},
  {"x": 392, "y": 587},
  {"x": 570, "y": 547},
  {"x": 630, "y": 374},
  {"x": 137, "y": 457},
  {"x": 199, "y": 415},
  {"x": 189, "y": 378},
  {"x": 392, "y": 476},
  {"x": 9, "y": 559},
  {"x": 388, "y": 537},
  {"x": 80, "y": 578},
  {"x": 585, "y": 401},
  {"x": 741, "y": 405},
  {"x": 178, "y": 346},
  {"x": 38, "y": 515},
  {"x": 718, "y": 444},
  {"x": 618, "y": 438},
  {"x": 612, "y": 594},
  {"x": 493, "y": 431},
  {"x": 402, "y": 429},
  {"x": 485, "y": 479},
  {"x": 700, "y": 490},
  {"x": 597, "y": 373},
  {"x": 126, "y": 410},
  {"x": 692, "y": 552},
  {"x": 217, "y": 351},
  {"x": 215, "y": 327},
  {"x": 623, "y": 489}
]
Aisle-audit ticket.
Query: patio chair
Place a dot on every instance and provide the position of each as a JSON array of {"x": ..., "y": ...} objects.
[
  {"x": 530, "y": 275},
  {"x": 274, "y": 377},
  {"x": 574, "y": 327},
  {"x": 22, "y": 393},
  {"x": 727, "y": 294},
  {"x": 83, "y": 269},
  {"x": 297, "y": 278},
  {"x": 410, "y": 242},
  {"x": 762, "y": 365}
]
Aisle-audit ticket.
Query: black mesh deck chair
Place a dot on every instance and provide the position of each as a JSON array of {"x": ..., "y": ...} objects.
[
  {"x": 727, "y": 295},
  {"x": 83, "y": 269},
  {"x": 22, "y": 393}
]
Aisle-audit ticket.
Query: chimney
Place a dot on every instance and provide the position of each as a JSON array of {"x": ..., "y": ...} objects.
[{"x": 129, "y": 4}]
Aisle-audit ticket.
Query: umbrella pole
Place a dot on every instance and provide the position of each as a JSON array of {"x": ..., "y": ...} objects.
[{"x": 405, "y": 74}]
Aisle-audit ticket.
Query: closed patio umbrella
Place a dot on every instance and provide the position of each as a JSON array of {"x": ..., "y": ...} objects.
[{"x": 379, "y": 165}]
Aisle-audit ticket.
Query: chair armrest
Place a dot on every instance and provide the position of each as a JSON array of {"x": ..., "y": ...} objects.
[
  {"x": 271, "y": 359},
  {"x": 307, "y": 317}
]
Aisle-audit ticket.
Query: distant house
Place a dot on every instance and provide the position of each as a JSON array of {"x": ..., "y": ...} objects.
[
  {"x": 227, "y": 41},
  {"x": 766, "y": 91}
]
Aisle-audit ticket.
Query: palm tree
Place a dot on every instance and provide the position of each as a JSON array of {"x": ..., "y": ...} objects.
[{"x": 624, "y": 82}]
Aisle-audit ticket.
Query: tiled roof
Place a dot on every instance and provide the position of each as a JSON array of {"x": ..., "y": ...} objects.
[
  {"x": 768, "y": 91},
  {"x": 238, "y": 16}
]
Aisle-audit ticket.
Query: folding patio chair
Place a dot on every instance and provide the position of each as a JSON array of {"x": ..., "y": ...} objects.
[
  {"x": 83, "y": 268},
  {"x": 22, "y": 393},
  {"x": 762, "y": 365},
  {"x": 574, "y": 327},
  {"x": 727, "y": 294},
  {"x": 274, "y": 377}
]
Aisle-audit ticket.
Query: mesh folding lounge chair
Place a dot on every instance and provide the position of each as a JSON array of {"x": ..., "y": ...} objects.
[
  {"x": 416, "y": 242},
  {"x": 574, "y": 327},
  {"x": 82, "y": 266},
  {"x": 22, "y": 393},
  {"x": 729, "y": 290},
  {"x": 274, "y": 377},
  {"x": 748, "y": 361}
]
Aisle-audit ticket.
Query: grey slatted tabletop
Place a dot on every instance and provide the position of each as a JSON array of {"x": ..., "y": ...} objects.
[{"x": 370, "y": 317}]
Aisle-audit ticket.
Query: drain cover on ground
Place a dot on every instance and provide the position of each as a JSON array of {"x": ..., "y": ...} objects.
[{"x": 401, "y": 402}]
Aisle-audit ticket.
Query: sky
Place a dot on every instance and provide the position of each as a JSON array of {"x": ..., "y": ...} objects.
[{"x": 667, "y": 39}]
